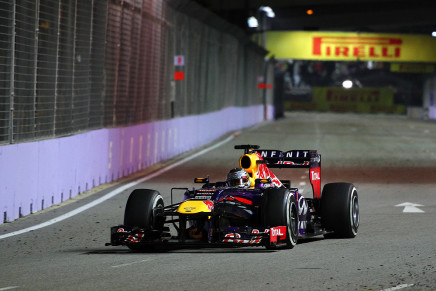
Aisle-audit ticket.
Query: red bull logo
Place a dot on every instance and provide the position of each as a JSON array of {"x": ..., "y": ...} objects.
[{"x": 209, "y": 205}]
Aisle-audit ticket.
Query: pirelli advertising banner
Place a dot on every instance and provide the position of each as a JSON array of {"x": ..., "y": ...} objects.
[
  {"x": 363, "y": 100},
  {"x": 348, "y": 46}
]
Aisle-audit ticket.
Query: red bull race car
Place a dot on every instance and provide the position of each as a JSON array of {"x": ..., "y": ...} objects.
[{"x": 251, "y": 208}]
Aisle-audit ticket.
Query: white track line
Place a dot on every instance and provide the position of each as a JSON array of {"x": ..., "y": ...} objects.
[
  {"x": 131, "y": 263},
  {"x": 116, "y": 191},
  {"x": 402, "y": 286}
]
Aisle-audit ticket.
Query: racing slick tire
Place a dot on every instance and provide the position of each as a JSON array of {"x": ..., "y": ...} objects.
[
  {"x": 340, "y": 210},
  {"x": 279, "y": 208},
  {"x": 143, "y": 208}
]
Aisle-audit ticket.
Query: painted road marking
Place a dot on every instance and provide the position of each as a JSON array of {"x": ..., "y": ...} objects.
[
  {"x": 131, "y": 263},
  {"x": 410, "y": 207},
  {"x": 116, "y": 191},
  {"x": 402, "y": 286},
  {"x": 9, "y": 288}
]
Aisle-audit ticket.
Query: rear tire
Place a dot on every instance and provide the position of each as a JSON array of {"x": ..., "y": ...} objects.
[
  {"x": 279, "y": 208},
  {"x": 340, "y": 210},
  {"x": 143, "y": 208}
]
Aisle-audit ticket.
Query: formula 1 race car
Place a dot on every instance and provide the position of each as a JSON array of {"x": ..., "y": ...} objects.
[{"x": 251, "y": 208}]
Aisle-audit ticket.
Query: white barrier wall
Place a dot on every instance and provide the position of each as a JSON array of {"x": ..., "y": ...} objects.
[{"x": 429, "y": 103}]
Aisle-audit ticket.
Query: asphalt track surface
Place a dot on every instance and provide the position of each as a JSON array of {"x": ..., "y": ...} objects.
[{"x": 391, "y": 160}]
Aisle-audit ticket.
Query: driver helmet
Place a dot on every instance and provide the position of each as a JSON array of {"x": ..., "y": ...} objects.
[{"x": 238, "y": 177}]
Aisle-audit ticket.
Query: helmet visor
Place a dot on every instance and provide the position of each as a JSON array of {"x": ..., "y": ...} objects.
[{"x": 238, "y": 182}]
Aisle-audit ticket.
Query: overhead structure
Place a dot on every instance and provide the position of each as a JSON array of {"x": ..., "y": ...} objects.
[{"x": 390, "y": 16}]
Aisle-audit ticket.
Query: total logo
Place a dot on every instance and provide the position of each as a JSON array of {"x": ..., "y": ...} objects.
[
  {"x": 277, "y": 231},
  {"x": 315, "y": 176}
]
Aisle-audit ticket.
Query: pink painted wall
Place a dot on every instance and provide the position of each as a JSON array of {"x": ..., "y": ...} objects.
[{"x": 36, "y": 175}]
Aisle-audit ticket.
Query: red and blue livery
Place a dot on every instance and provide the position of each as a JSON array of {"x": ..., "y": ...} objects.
[{"x": 253, "y": 207}]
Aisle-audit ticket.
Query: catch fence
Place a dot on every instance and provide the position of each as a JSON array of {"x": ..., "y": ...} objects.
[{"x": 68, "y": 66}]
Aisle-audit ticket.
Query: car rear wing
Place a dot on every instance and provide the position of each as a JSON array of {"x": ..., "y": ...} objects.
[
  {"x": 281, "y": 159},
  {"x": 290, "y": 159},
  {"x": 296, "y": 159}
]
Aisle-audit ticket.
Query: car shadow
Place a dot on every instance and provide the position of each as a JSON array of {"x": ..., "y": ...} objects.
[
  {"x": 119, "y": 250},
  {"x": 309, "y": 240},
  {"x": 175, "y": 249}
]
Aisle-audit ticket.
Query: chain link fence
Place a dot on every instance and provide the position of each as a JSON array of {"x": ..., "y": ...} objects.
[{"x": 73, "y": 65}]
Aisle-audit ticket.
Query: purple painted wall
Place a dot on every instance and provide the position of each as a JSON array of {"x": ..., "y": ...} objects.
[
  {"x": 432, "y": 112},
  {"x": 36, "y": 175}
]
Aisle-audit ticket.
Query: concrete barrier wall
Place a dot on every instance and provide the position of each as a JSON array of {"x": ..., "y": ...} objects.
[
  {"x": 432, "y": 112},
  {"x": 36, "y": 175},
  {"x": 422, "y": 113},
  {"x": 416, "y": 112},
  {"x": 429, "y": 98}
]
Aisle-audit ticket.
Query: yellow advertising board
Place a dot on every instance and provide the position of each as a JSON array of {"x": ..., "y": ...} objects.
[
  {"x": 350, "y": 46},
  {"x": 363, "y": 100},
  {"x": 413, "y": 68}
]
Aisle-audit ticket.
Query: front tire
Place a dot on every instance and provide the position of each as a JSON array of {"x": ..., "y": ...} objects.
[
  {"x": 340, "y": 209},
  {"x": 143, "y": 209},
  {"x": 279, "y": 208}
]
